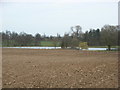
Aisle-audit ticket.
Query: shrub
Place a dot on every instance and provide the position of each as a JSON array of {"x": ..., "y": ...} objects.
[{"x": 83, "y": 45}]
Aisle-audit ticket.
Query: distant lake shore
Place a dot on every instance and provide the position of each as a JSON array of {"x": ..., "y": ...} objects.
[{"x": 55, "y": 48}]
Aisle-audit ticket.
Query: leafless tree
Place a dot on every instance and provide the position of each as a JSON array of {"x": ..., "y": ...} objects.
[
  {"x": 109, "y": 35},
  {"x": 76, "y": 31}
]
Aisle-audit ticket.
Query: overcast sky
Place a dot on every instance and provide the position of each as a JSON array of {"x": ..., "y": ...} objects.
[{"x": 53, "y": 16}]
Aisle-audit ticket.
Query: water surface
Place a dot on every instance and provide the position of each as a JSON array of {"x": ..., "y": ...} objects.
[{"x": 54, "y": 48}]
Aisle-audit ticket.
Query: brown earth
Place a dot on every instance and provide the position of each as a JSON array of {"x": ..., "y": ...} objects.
[
  {"x": 0, "y": 68},
  {"x": 28, "y": 68}
]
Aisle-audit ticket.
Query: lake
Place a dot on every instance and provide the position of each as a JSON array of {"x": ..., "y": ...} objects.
[{"x": 54, "y": 48}]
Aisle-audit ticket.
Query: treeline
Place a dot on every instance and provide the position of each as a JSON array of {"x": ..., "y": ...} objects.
[{"x": 106, "y": 36}]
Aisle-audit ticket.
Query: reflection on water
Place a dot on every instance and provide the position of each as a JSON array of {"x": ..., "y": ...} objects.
[
  {"x": 53, "y": 48},
  {"x": 36, "y": 47},
  {"x": 97, "y": 48}
]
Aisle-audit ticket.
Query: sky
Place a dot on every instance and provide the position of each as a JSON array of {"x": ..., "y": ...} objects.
[
  {"x": 119, "y": 13},
  {"x": 56, "y": 16}
]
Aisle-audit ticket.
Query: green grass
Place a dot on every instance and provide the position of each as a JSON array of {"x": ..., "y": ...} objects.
[
  {"x": 97, "y": 46},
  {"x": 41, "y": 43},
  {"x": 47, "y": 44}
]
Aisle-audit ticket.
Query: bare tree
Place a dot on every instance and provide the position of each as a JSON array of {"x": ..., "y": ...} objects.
[
  {"x": 109, "y": 35},
  {"x": 76, "y": 31},
  {"x": 55, "y": 42},
  {"x": 66, "y": 40},
  {"x": 37, "y": 39},
  {"x": 76, "y": 35},
  {"x": 74, "y": 43}
]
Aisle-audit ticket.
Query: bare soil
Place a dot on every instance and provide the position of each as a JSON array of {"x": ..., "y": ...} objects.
[
  {"x": 28, "y": 68},
  {"x": 0, "y": 68}
]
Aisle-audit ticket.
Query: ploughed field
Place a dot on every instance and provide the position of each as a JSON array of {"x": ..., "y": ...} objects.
[{"x": 34, "y": 68}]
